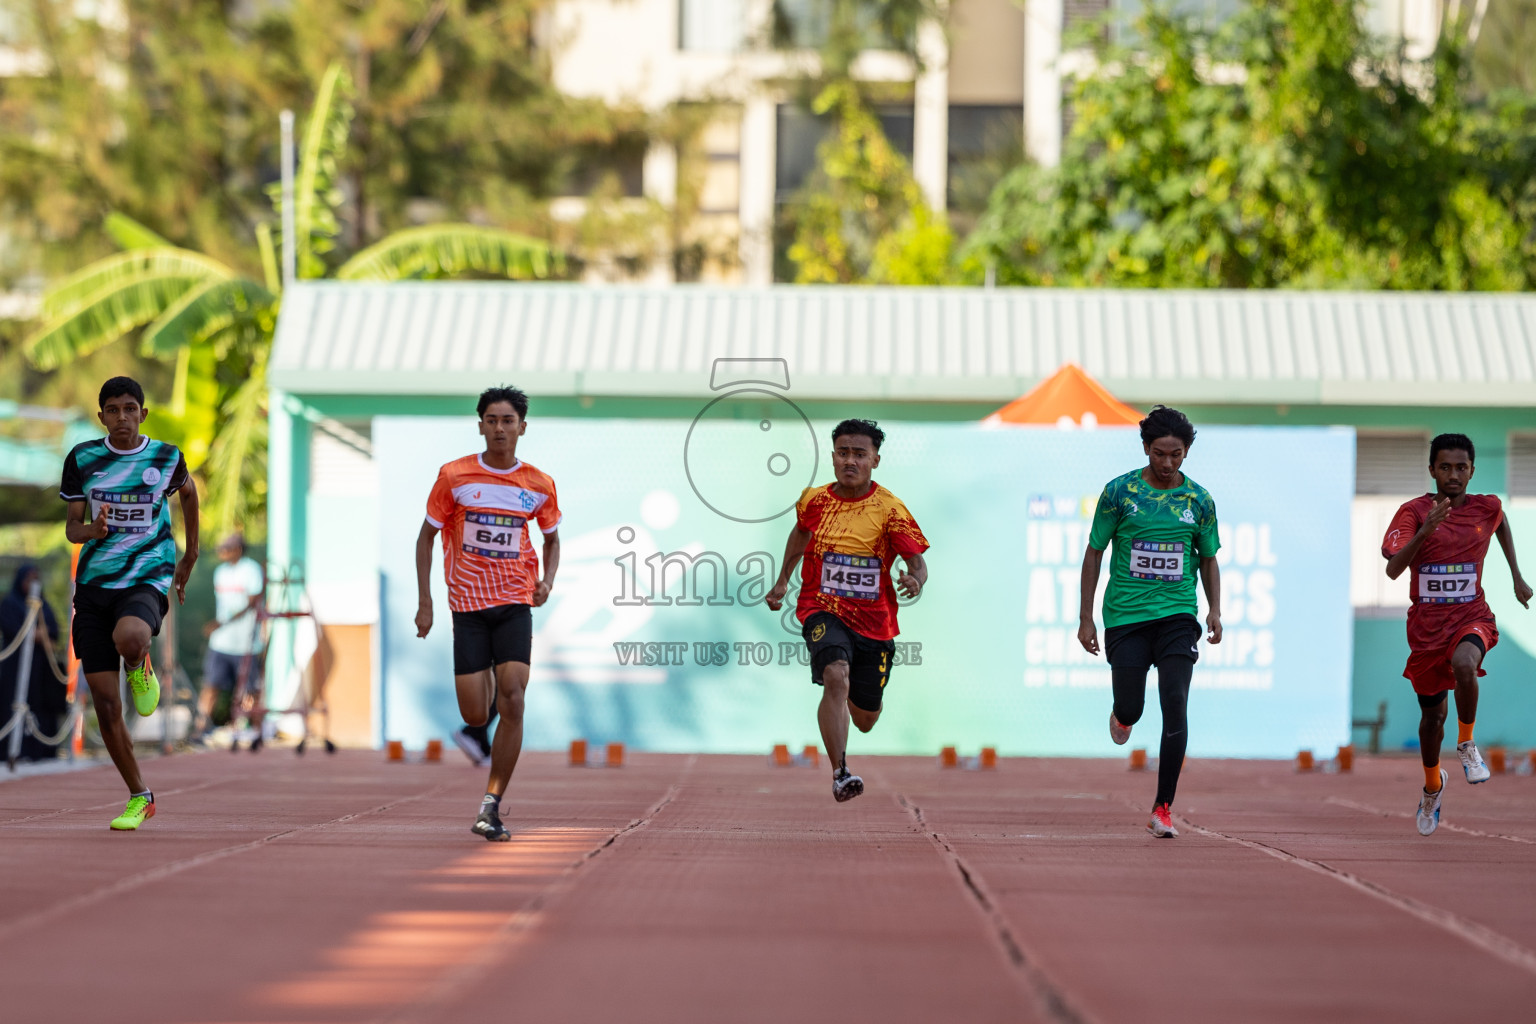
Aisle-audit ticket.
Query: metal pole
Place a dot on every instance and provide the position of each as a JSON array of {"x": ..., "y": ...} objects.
[
  {"x": 290, "y": 245},
  {"x": 24, "y": 671}
]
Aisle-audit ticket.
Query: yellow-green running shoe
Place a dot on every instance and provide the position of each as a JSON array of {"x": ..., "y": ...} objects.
[
  {"x": 138, "y": 809},
  {"x": 144, "y": 687}
]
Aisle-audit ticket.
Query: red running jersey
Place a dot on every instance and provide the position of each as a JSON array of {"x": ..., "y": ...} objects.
[
  {"x": 847, "y": 567},
  {"x": 483, "y": 513},
  {"x": 1447, "y": 582}
]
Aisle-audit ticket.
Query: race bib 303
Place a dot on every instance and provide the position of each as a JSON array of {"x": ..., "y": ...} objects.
[
  {"x": 855, "y": 576},
  {"x": 1451, "y": 583},
  {"x": 1157, "y": 560},
  {"x": 493, "y": 535}
]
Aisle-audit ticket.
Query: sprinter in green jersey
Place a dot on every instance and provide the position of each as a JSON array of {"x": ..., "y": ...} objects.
[
  {"x": 1163, "y": 528},
  {"x": 119, "y": 489}
]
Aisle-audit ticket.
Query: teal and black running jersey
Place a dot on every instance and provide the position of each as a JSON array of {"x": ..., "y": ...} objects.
[{"x": 134, "y": 487}]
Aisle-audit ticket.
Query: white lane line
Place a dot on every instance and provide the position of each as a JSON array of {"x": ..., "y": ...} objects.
[
  {"x": 1368, "y": 809},
  {"x": 1480, "y": 936}
]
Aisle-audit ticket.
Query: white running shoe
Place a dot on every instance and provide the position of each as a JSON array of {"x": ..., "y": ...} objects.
[
  {"x": 1428, "y": 818},
  {"x": 1161, "y": 823},
  {"x": 1472, "y": 762},
  {"x": 846, "y": 786},
  {"x": 470, "y": 744},
  {"x": 1117, "y": 732}
]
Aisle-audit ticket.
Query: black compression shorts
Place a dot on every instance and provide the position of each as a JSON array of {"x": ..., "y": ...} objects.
[{"x": 491, "y": 636}]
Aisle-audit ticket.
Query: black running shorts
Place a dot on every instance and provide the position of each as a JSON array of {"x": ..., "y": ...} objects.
[
  {"x": 1140, "y": 645},
  {"x": 97, "y": 611},
  {"x": 869, "y": 661},
  {"x": 491, "y": 636}
]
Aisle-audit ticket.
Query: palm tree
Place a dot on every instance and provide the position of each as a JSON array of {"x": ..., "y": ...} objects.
[{"x": 216, "y": 325}]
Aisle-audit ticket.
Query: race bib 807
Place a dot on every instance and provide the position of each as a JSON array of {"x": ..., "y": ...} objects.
[
  {"x": 1451, "y": 583},
  {"x": 1157, "y": 560},
  {"x": 492, "y": 535},
  {"x": 855, "y": 576}
]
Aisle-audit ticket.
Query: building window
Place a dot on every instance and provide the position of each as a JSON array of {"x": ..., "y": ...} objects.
[
  {"x": 804, "y": 24},
  {"x": 712, "y": 25},
  {"x": 985, "y": 143},
  {"x": 1389, "y": 470},
  {"x": 1210, "y": 14},
  {"x": 1522, "y": 466},
  {"x": 800, "y": 132}
]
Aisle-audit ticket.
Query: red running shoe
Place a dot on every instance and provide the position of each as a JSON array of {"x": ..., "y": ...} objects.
[{"x": 1161, "y": 823}]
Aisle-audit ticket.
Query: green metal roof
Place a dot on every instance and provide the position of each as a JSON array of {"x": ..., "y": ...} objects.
[{"x": 1237, "y": 347}]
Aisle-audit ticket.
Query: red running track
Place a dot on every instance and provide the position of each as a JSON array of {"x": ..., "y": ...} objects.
[{"x": 710, "y": 888}]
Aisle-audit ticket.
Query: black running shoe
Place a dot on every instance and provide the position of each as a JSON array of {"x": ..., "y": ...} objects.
[
  {"x": 489, "y": 825},
  {"x": 846, "y": 786}
]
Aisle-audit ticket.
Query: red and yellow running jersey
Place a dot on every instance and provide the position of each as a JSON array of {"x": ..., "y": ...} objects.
[
  {"x": 483, "y": 513},
  {"x": 1447, "y": 582},
  {"x": 847, "y": 567}
]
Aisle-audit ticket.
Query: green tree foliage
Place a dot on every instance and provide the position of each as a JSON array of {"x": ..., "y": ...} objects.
[
  {"x": 216, "y": 326},
  {"x": 1284, "y": 149},
  {"x": 860, "y": 218}
]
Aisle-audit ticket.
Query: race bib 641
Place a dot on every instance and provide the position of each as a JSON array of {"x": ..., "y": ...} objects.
[{"x": 493, "y": 535}]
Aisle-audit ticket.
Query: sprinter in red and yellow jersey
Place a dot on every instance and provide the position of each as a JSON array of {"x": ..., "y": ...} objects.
[
  {"x": 482, "y": 505},
  {"x": 850, "y": 533}
]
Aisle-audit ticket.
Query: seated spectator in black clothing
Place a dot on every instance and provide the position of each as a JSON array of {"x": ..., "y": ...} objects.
[{"x": 45, "y": 694}]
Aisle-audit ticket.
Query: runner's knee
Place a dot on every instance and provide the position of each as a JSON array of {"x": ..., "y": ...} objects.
[
  {"x": 863, "y": 720},
  {"x": 131, "y": 638},
  {"x": 835, "y": 678}
]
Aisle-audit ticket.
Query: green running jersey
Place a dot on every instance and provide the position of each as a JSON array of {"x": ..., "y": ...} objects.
[
  {"x": 134, "y": 487},
  {"x": 1159, "y": 537}
]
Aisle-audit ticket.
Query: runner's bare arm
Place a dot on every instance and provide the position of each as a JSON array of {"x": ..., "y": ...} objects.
[
  {"x": 915, "y": 578},
  {"x": 1210, "y": 576},
  {"x": 190, "y": 526},
  {"x": 1523, "y": 590},
  {"x": 551, "y": 564},
  {"x": 794, "y": 549},
  {"x": 1087, "y": 632},
  {"x": 424, "y": 578},
  {"x": 1404, "y": 558},
  {"x": 78, "y": 528}
]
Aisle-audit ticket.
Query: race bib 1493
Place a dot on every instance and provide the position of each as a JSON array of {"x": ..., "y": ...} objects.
[
  {"x": 855, "y": 576},
  {"x": 1157, "y": 560},
  {"x": 493, "y": 535},
  {"x": 1451, "y": 583}
]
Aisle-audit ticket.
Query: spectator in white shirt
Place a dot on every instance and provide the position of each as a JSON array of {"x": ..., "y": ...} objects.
[{"x": 234, "y": 635}]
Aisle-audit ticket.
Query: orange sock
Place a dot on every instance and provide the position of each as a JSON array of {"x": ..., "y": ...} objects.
[
  {"x": 1431, "y": 779},
  {"x": 1463, "y": 731}
]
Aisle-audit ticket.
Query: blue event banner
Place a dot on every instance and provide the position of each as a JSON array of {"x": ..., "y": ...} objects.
[{"x": 656, "y": 634}]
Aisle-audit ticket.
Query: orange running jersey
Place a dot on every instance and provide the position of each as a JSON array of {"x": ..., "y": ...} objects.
[
  {"x": 847, "y": 567},
  {"x": 483, "y": 513}
]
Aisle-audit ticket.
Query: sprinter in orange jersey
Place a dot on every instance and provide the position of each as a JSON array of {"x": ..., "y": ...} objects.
[
  {"x": 850, "y": 533},
  {"x": 482, "y": 504}
]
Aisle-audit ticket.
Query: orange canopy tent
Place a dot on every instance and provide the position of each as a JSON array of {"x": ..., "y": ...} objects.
[{"x": 1067, "y": 397}]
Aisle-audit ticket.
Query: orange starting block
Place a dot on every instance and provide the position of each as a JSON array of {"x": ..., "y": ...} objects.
[
  {"x": 949, "y": 758},
  {"x": 1346, "y": 758},
  {"x": 434, "y": 751},
  {"x": 578, "y": 753},
  {"x": 1139, "y": 759},
  {"x": 394, "y": 750},
  {"x": 1304, "y": 760},
  {"x": 989, "y": 757},
  {"x": 1496, "y": 760},
  {"x": 615, "y": 755},
  {"x": 811, "y": 755},
  {"x": 780, "y": 756}
]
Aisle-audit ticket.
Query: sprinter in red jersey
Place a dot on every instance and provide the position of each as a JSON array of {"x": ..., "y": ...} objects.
[
  {"x": 482, "y": 505},
  {"x": 1443, "y": 537}
]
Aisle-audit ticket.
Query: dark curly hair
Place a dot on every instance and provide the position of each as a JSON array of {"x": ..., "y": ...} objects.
[
  {"x": 864, "y": 428},
  {"x": 1165, "y": 422},
  {"x": 490, "y": 396},
  {"x": 1451, "y": 442}
]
